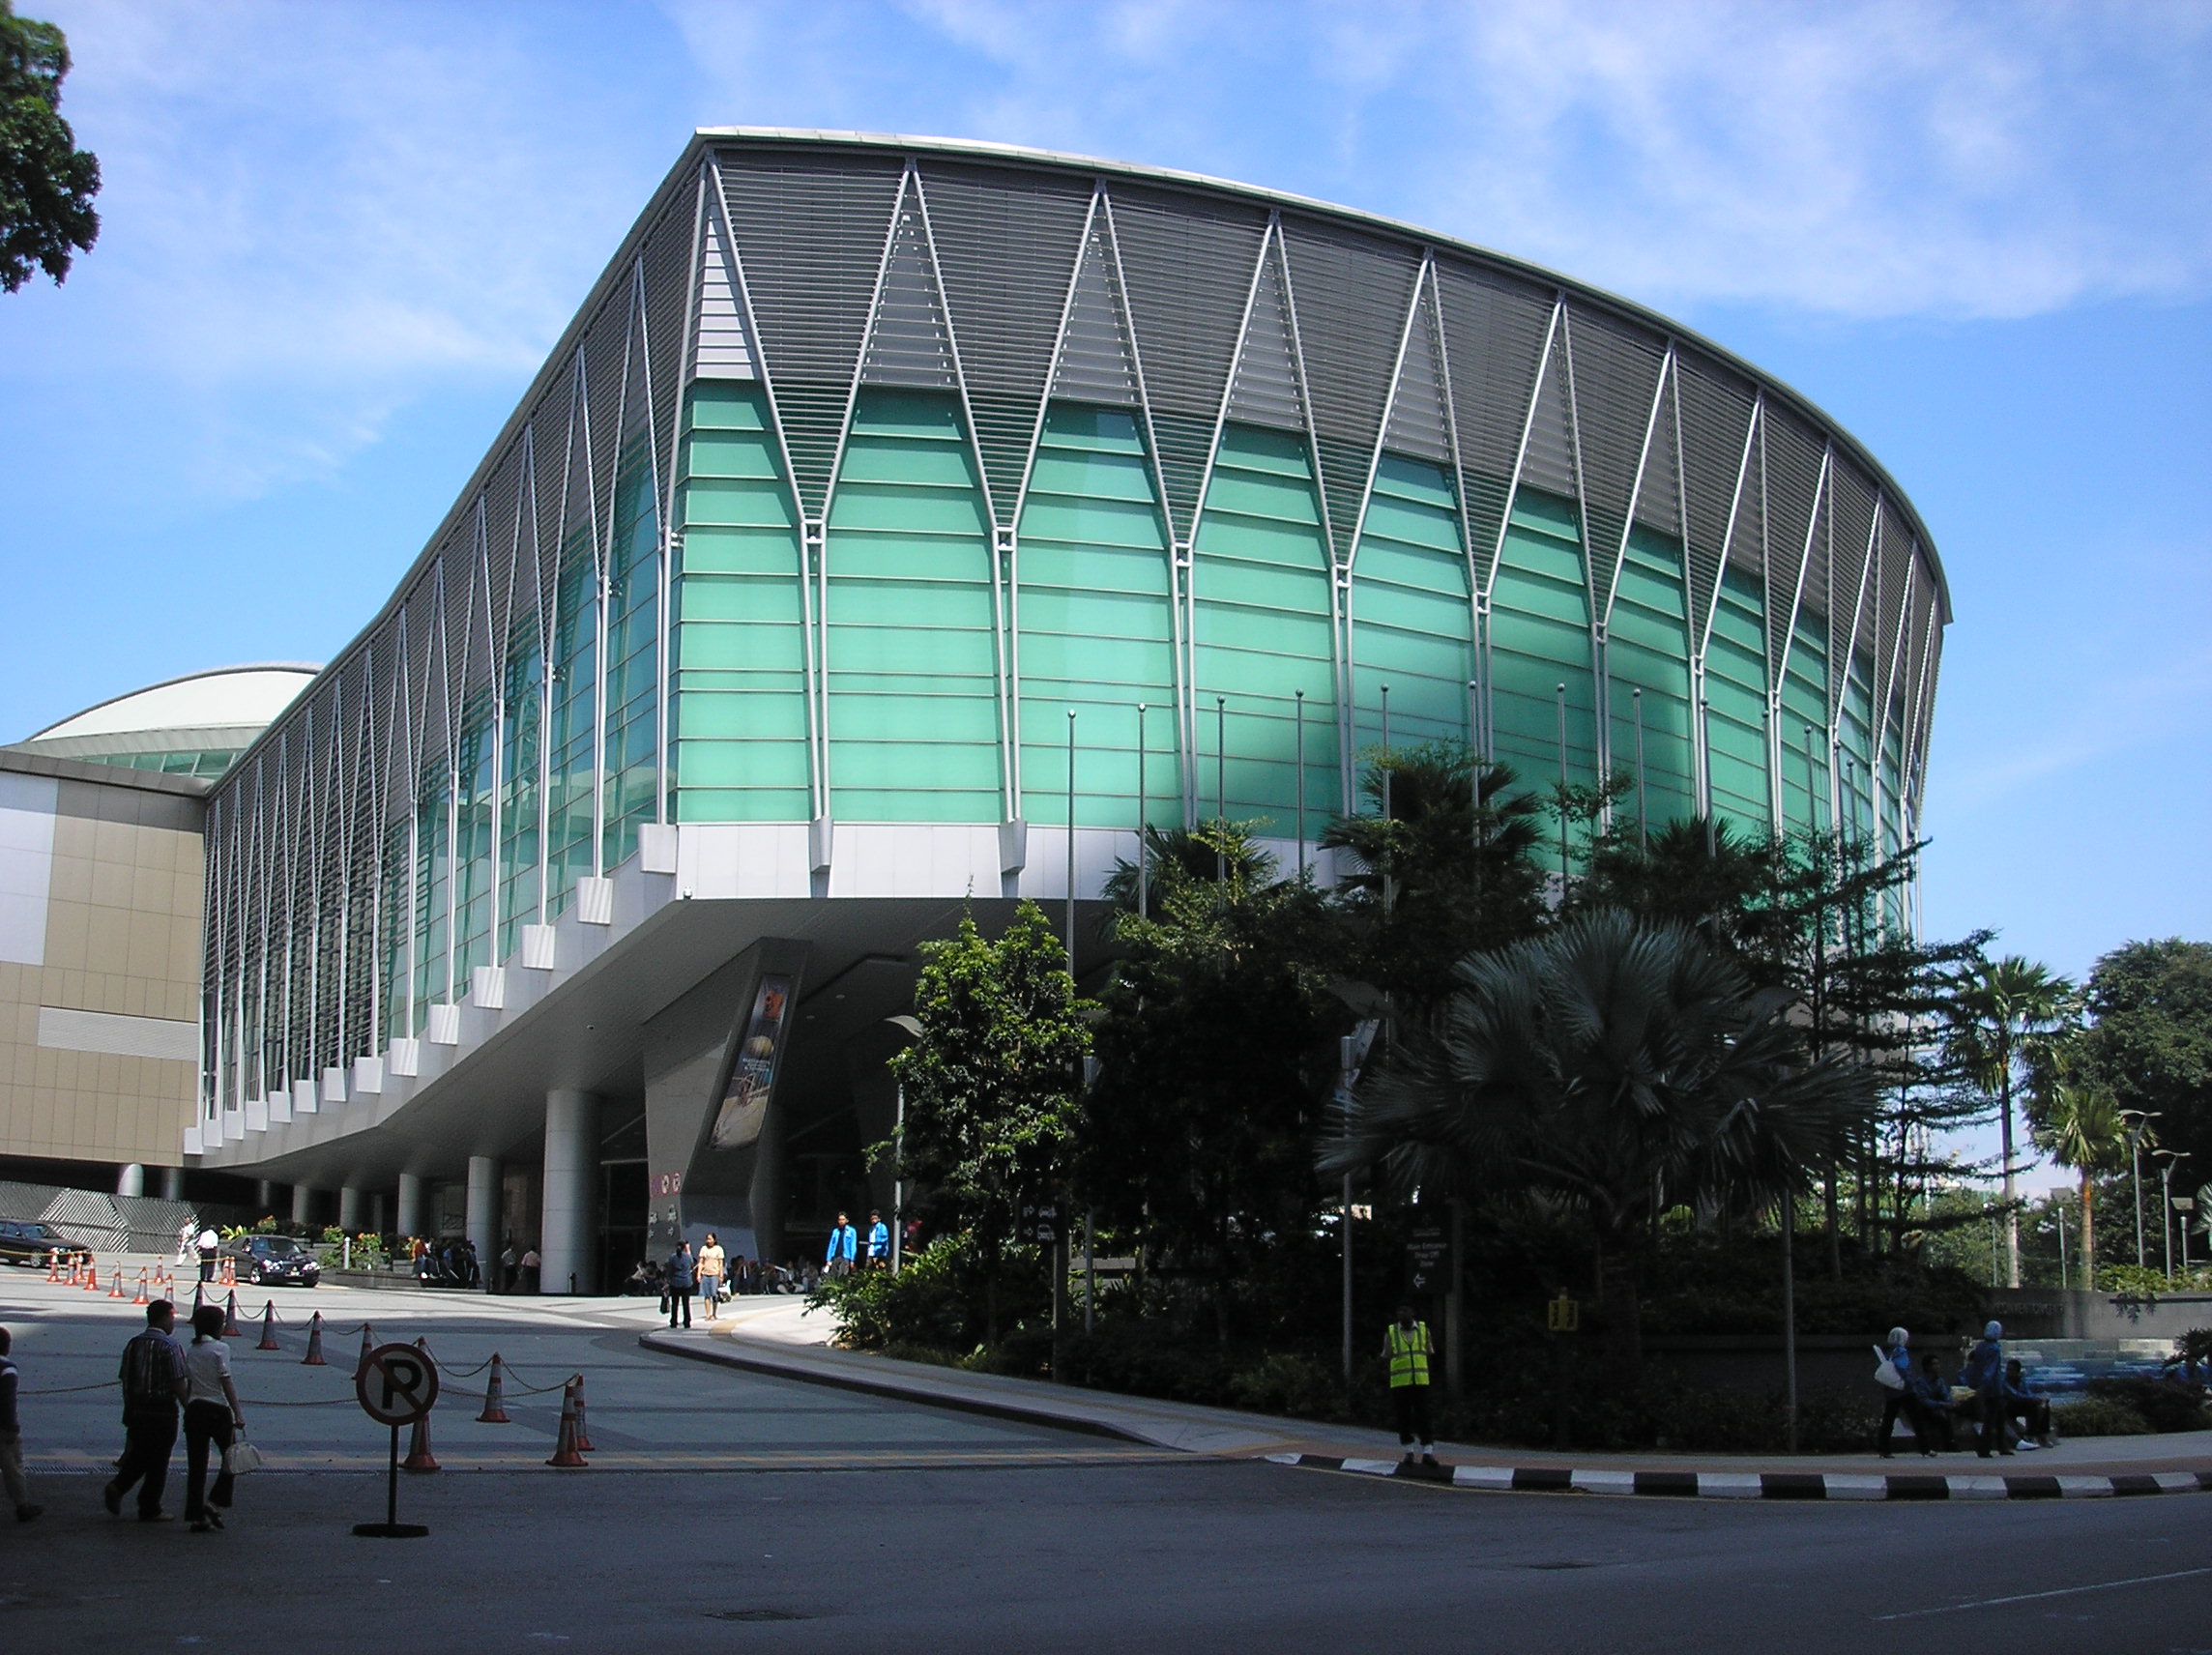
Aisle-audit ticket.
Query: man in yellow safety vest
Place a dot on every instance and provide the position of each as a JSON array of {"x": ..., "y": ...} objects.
[{"x": 1406, "y": 1342}]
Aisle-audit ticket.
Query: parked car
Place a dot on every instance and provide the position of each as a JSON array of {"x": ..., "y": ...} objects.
[
  {"x": 28, "y": 1242},
  {"x": 271, "y": 1260}
]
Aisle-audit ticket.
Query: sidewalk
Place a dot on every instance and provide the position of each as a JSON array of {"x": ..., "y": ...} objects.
[{"x": 2085, "y": 1467}]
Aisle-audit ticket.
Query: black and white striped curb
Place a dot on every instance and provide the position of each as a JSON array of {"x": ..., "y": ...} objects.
[{"x": 1761, "y": 1485}]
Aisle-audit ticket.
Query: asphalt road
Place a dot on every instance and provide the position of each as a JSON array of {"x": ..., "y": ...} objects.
[{"x": 1017, "y": 1539}]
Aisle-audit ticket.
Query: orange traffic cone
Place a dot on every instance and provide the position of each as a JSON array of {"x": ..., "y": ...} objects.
[
  {"x": 91, "y": 1276},
  {"x": 419, "y": 1455},
  {"x": 565, "y": 1453},
  {"x": 494, "y": 1397},
  {"x": 368, "y": 1344},
  {"x": 583, "y": 1431},
  {"x": 142, "y": 1298},
  {"x": 53, "y": 1266},
  {"x": 230, "y": 1274},
  {"x": 116, "y": 1291},
  {"x": 314, "y": 1356},
  {"x": 268, "y": 1326},
  {"x": 231, "y": 1316}
]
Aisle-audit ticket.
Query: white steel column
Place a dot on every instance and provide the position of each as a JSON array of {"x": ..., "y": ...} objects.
[
  {"x": 481, "y": 1222},
  {"x": 130, "y": 1179},
  {"x": 408, "y": 1220},
  {"x": 570, "y": 1207}
]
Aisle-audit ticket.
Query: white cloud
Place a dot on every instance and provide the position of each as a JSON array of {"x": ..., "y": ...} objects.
[
  {"x": 311, "y": 215},
  {"x": 1871, "y": 159}
]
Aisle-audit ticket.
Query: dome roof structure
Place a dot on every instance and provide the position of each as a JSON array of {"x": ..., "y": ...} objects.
[{"x": 194, "y": 725}]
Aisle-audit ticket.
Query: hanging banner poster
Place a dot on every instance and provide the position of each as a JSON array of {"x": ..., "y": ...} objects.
[{"x": 744, "y": 1105}]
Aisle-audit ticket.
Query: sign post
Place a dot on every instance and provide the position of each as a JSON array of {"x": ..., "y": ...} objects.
[{"x": 397, "y": 1384}]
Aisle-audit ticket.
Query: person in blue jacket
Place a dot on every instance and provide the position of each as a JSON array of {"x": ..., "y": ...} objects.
[
  {"x": 1935, "y": 1399},
  {"x": 1985, "y": 1372},
  {"x": 2031, "y": 1412},
  {"x": 683, "y": 1281},
  {"x": 844, "y": 1243},
  {"x": 879, "y": 1242}
]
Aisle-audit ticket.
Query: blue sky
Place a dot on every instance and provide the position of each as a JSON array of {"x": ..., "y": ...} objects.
[{"x": 339, "y": 238}]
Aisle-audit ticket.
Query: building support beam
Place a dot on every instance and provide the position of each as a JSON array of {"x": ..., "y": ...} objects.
[
  {"x": 482, "y": 1219},
  {"x": 130, "y": 1179},
  {"x": 409, "y": 1221},
  {"x": 302, "y": 1205},
  {"x": 349, "y": 1210},
  {"x": 570, "y": 1207}
]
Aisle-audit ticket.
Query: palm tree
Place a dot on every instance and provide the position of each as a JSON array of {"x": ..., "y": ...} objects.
[
  {"x": 1621, "y": 1064},
  {"x": 1996, "y": 1008},
  {"x": 2080, "y": 1128}
]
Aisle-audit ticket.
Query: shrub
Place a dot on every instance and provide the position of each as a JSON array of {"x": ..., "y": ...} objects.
[
  {"x": 2163, "y": 1404},
  {"x": 2098, "y": 1416},
  {"x": 2134, "y": 1281},
  {"x": 1284, "y": 1383}
]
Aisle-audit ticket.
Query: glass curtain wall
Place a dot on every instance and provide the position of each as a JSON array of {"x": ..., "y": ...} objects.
[
  {"x": 1412, "y": 621},
  {"x": 1096, "y": 625},
  {"x": 1261, "y": 632}
]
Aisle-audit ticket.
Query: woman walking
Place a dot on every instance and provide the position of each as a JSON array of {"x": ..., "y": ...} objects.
[
  {"x": 211, "y": 1411},
  {"x": 712, "y": 1261}
]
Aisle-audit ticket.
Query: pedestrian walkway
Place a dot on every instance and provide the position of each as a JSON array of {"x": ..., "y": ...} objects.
[{"x": 2085, "y": 1468}]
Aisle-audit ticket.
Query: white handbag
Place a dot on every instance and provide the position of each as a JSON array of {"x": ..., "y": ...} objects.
[
  {"x": 1885, "y": 1374},
  {"x": 241, "y": 1457}
]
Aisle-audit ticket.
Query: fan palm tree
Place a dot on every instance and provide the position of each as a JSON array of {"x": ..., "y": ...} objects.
[
  {"x": 1996, "y": 1009},
  {"x": 2081, "y": 1129},
  {"x": 1621, "y": 1065}
]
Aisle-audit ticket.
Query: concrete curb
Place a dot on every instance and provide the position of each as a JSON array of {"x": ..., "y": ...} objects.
[
  {"x": 1760, "y": 1485},
  {"x": 1199, "y": 1432}
]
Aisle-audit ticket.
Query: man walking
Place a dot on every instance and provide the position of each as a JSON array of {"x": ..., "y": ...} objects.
[
  {"x": 879, "y": 1242},
  {"x": 844, "y": 1242},
  {"x": 1406, "y": 1342},
  {"x": 153, "y": 1387},
  {"x": 1985, "y": 1372},
  {"x": 12, "y": 1483},
  {"x": 210, "y": 1243},
  {"x": 683, "y": 1277}
]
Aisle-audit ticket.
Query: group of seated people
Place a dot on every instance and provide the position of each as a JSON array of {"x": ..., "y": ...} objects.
[{"x": 2000, "y": 1409}]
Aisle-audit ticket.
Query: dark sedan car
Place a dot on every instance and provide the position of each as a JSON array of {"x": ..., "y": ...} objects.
[
  {"x": 272, "y": 1260},
  {"x": 26, "y": 1242}
]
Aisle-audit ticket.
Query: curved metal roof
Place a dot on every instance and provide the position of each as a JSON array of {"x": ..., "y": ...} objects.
[{"x": 221, "y": 699}]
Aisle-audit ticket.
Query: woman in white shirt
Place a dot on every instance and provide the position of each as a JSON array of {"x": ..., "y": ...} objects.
[{"x": 211, "y": 1411}]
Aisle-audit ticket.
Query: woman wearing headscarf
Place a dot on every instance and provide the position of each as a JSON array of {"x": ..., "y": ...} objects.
[{"x": 1901, "y": 1399}]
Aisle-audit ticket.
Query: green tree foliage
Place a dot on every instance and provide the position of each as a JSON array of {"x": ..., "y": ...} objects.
[
  {"x": 2151, "y": 1040},
  {"x": 1441, "y": 864},
  {"x": 2076, "y": 1119},
  {"x": 991, "y": 1081},
  {"x": 1996, "y": 1013},
  {"x": 1198, "y": 1137},
  {"x": 46, "y": 183},
  {"x": 1621, "y": 1066}
]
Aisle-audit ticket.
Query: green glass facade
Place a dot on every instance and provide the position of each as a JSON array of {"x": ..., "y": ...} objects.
[{"x": 868, "y": 464}]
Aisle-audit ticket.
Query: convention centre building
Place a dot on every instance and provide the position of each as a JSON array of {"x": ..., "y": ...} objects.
[{"x": 898, "y": 525}]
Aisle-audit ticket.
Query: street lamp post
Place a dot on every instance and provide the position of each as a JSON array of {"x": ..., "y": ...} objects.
[
  {"x": 2134, "y": 1122},
  {"x": 2165, "y": 1206}
]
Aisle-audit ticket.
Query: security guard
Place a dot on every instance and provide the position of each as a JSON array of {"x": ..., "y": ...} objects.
[{"x": 1406, "y": 1342}]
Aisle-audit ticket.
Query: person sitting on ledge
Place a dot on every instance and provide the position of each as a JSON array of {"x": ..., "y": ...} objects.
[
  {"x": 2024, "y": 1407},
  {"x": 1935, "y": 1399}
]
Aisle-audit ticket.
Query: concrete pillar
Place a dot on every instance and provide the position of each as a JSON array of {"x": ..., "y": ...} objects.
[
  {"x": 349, "y": 1210},
  {"x": 376, "y": 1208},
  {"x": 264, "y": 1195},
  {"x": 302, "y": 1205},
  {"x": 172, "y": 1183},
  {"x": 483, "y": 1217},
  {"x": 409, "y": 1222},
  {"x": 130, "y": 1179},
  {"x": 570, "y": 1207}
]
